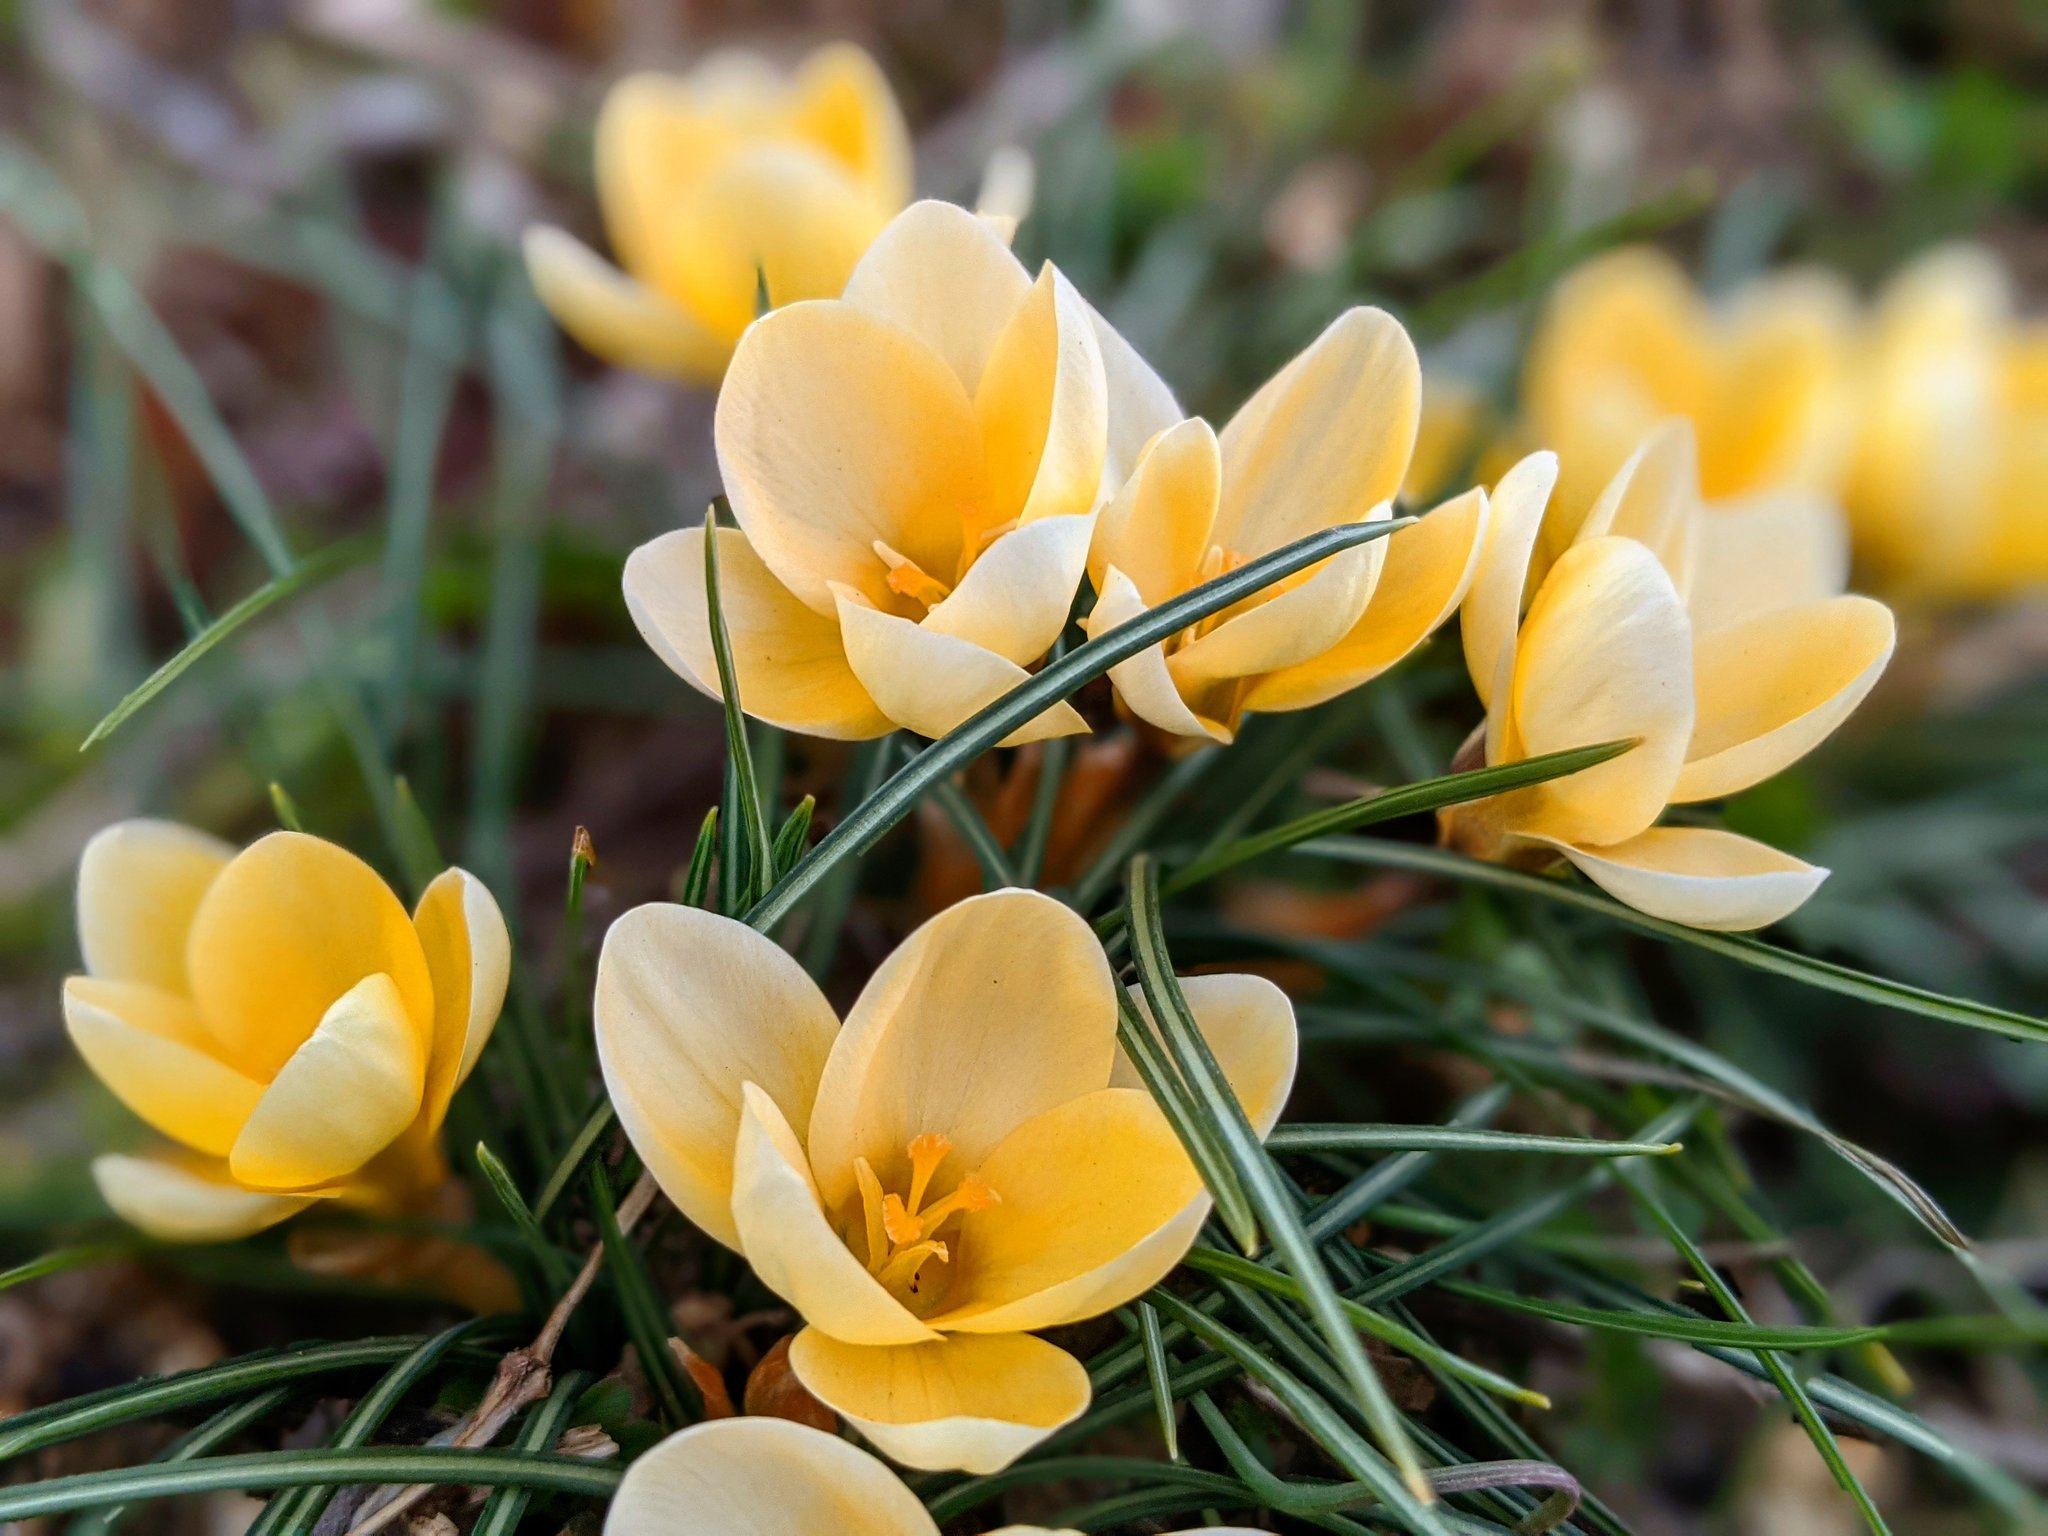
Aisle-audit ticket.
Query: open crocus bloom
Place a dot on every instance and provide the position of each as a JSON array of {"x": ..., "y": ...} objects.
[
  {"x": 914, "y": 468},
  {"x": 1627, "y": 341},
  {"x": 965, "y": 1160},
  {"x": 277, "y": 1014},
  {"x": 714, "y": 183},
  {"x": 769, "y": 1477},
  {"x": 1664, "y": 624},
  {"x": 1325, "y": 442},
  {"x": 1945, "y": 489}
]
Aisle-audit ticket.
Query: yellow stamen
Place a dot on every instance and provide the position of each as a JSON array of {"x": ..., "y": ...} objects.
[
  {"x": 910, "y": 579},
  {"x": 926, "y": 1153},
  {"x": 901, "y": 1226},
  {"x": 972, "y": 1195}
]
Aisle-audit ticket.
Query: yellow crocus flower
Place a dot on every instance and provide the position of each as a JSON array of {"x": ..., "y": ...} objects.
[
  {"x": 1710, "y": 636},
  {"x": 1626, "y": 341},
  {"x": 770, "y": 1477},
  {"x": 1325, "y": 442},
  {"x": 914, "y": 468},
  {"x": 713, "y": 182},
  {"x": 277, "y": 1014},
  {"x": 967, "y": 1159},
  {"x": 1945, "y": 491}
]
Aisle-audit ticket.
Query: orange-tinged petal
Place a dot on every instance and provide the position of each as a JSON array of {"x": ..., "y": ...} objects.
[
  {"x": 139, "y": 883},
  {"x": 971, "y": 1402},
  {"x": 1143, "y": 681},
  {"x": 1700, "y": 876},
  {"x": 182, "y": 1203},
  {"x": 152, "y": 1051},
  {"x": 840, "y": 101},
  {"x": 1015, "y": 599},
  {"x": 688, "y": 1007},
  {"x": 1157, "y": 527},
  {"x": 654, "y": 137},
  {"x": 615, "y": 316},
  {"x": 1783, "y": 410},
  {"x": 469, "y": 955},
  {"x": 1654, "y": 499},
  {"x": 289, "y": 926},
  {"x": 1044, "y": 409},
  {"x": 948, "y": 279}
]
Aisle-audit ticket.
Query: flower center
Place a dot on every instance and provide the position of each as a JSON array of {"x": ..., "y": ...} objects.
[
  {"x": 909, "y": 579},
  {"x": 902, "y": 1230},
  {"x": 1217, "y": 562}
]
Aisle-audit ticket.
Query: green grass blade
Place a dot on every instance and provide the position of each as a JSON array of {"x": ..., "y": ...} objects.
[
  {"x": 974, "y": 831},
  {"x": 794, "y": 836},
  {"x": 195, "y": 1442},
  {"x": 1305, "y": 1137},
  {"x": 1197, "y": 1136},
  {"x": 697, "y": 883},
  {"x": 57, "y": 1260},
  {"x": 504, "y": 1509},
  {"x": 578, "y": 1152},
  {"x": 739, "y": 752},
  {"x": 550, "y": 1258},
  {"x": 1158, "y": 1373},
  {"x": 1045, "y": 795},
  {"x": 646, "y": 1323}
]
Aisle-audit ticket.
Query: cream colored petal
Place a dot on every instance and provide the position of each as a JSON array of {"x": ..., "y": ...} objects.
[
  {"x": 1009, "y": 186},
  {"x": 615, "y": 317},
  {"x": 930, "y": 682},
  {"x": 469, "y": 955},
  {"x": 1325, "y": 438},
  {"x": 688, "y": 1007},
  {"x": 1156, "y": 528},
  {"x": 791, "y": 1245},
  {"x": 836, "y": 428},
  {"x": 1492, "y": 612},
  {"x": 1699, "y": 876},
  {"x": 654, "y": 139},
  {"x": 180, "y": 1204},
  {"x": 1098, "y": 1202},
  {"x": 790, "y": 662},
  {"x": 1015, "y": 599},
  {"x": 997, "y": 1009},
  {"x": 289, "y": 926},
  {"x": 1044, "y": 408},
  {"x": 1605, "y": 654},
  {"x": 1785, "y": 402},
  {"x": 1773, "y": 688},
  {"x": 1299, "y": 623},
  {"x": 1142, "y": 681},
  {"x": 1249, "y": 1025},
  {"x": 972, "y": 1403},
  {"x": 343, "y": 1097},
  {"x": 1428, "y": 570},
  {"x": 841, "y": 102},
  {"x": 139, "y": 883},
  {"x": 948, "y": 279},
  {"x": 1768, "y": 552},
  {"x": 1654, "y": 499},
  {"x": 152, "y": 1051},
  {"x": 1140, "y": 405},
  {"x": 762, "y": 1476}
]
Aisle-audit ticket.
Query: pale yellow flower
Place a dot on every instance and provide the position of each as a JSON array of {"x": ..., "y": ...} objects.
[
  {"x": 1324, "y": 443},
  {"x": 1948, "y": 492},
  {"x": 1709, "y": 635},
  {"x": 1626, "y": 341},
  {"x": 277, "y": 1014},
  {"x": 769, "y": 1477},
  {"x": 966, "y": 1160},
  {"x": 914, "y": 468},
  {"x": 713, "y": 182}
]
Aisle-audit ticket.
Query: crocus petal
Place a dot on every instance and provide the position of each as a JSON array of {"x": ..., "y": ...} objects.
[
  {"x": 1015, "y": 599},
  {"x": 840, "y": 101},
  {"x": 1044, "y": 408},
  {"x": 1098, "y": 1203},
  {"x": 974, "y": 1402},
  {"x": 1772, "y": 688},
  {"x": 342, "y": 1098},
  {"x": 1009, "y": 186},
  {"x": 997, "y": 1009},
  {"x": 689, "y": 1006},
  {"x": 835, "y": 429},
  {"x": 1653, "y": 499},
  {"x": 1784, "y": 408},
  {"x": 1140, "y": 405},
  {"x": 180, "y": 1204},
  {"x": 790, "y": 662},
  {"x": 1325, "y": 438},
  {"x": 948, "y": 279},
  {"x": 469, "y": 955},
  {"x": 1156, "y": 529},
  {"x": 1249, "y": 1026},
  {"x": 1700, "y": 876},
  {"x": 1142, "y": 681},
  {"x": 762, "y": 1476},
  {"x": 1606, "y": 654},
  {"x": 1428, "y": 569},
  {"x": 139, "y": 883},
  {"x": 615, "y": 317},
  {"x": 1769, "y": 552},
  {"x": 152, "y": 1051},
  {"x": 1298, "y": 623},
  {"x": 653, "y": 139},
  {"x": 791, "y": 1245},
  {"x": 930, "y": 682},
  {"x": 1493, "y": 608},
  {"x": 289, "y": 926}
]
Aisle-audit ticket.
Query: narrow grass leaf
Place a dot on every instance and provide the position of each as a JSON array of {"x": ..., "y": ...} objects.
[
  {"x": 1159, "y": 1373},
  {"x": 739, "y": 752},
  {"x": 1308, "y": 1137},
  {"x": 505, "y": 1508}
]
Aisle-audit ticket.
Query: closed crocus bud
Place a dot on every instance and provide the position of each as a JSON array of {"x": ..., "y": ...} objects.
[
  {"x": 715, "y": 182},
  {"x": 1952, "y": 456},
  {"x": 769, "y": 1477},
  {"x": 966, "y": 1160},
  {"x": 1765, "y": 378},
  {"x": 279, "y": 1016},
  {"x": 1324, "y": 443},
  {"x": 1718, "y": 642},
  {"x": 914, "y": 468}
]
